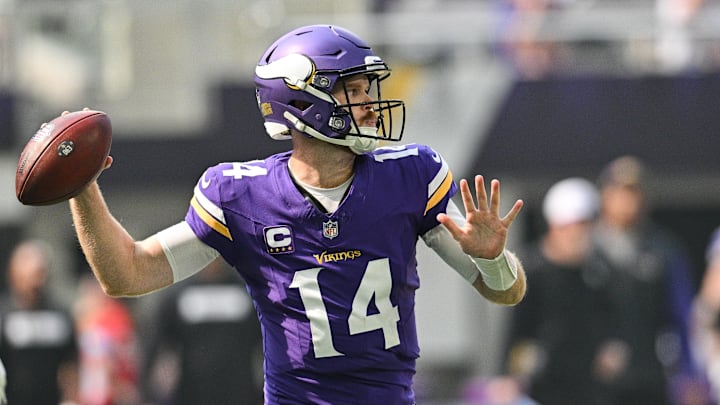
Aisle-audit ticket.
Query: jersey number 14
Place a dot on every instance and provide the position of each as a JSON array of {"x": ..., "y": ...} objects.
[{"x": 376, "y": 282}]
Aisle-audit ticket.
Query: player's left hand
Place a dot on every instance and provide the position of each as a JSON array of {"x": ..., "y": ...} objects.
[{"x": 484, "y": 234}]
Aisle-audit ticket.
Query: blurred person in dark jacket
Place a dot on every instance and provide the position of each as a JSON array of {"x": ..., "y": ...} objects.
[
  {"x": 561, "y": 333},
  {"x": 37, "y": 343},
  {"x": 651, "y": 290},
  {"x": 208, "y": 346}
]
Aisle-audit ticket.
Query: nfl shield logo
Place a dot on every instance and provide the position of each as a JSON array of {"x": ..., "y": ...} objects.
[{"x": 330, "y": 229}]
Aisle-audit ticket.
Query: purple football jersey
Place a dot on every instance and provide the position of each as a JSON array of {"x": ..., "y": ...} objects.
[{"x": 335, "y": 294}]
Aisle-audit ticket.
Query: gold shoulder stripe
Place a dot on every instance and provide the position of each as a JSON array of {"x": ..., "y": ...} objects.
[
  {"x": 209, "y": 219},
  {"x": 440, "y": 192}
]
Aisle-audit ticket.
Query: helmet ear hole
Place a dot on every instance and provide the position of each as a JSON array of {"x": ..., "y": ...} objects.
[{"x": 300, "y": 104}]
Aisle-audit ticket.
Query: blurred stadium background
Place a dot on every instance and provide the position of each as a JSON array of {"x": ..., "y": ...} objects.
[{"x": 529, "y": 91}]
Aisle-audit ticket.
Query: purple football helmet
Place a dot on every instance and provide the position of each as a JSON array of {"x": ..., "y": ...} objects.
[{"x": 295, "y": 79}]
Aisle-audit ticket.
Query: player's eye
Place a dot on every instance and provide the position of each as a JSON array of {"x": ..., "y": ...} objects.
[{"x": 359, "y": 91}]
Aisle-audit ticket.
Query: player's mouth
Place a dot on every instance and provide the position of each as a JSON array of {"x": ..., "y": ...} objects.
[{"x": 369, "y": 123}]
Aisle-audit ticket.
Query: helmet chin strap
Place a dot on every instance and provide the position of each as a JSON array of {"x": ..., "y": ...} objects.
[
  {"x": 362, "y": 144},
  {"x": 358, "y": 145}
]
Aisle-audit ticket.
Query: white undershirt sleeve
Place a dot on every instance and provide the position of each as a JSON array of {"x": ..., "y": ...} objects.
[
  {"x": 186, "y": 253},
  {"x": 498, "y": 274}
]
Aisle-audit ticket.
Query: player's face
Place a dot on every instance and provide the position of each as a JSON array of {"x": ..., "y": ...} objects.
[{"x": 356, "y": 90}]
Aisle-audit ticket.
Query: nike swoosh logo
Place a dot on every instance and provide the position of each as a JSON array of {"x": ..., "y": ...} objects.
[{"x": 204, "y": 183}]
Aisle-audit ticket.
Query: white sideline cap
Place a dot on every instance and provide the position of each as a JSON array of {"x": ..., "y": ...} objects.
[{"x": 571, "y": 200}]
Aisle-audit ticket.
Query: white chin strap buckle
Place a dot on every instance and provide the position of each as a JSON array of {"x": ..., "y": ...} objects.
[{"x": 362, "y": 145}]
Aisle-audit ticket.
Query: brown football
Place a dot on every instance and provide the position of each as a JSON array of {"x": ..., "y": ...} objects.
[{"x": 63, "y": 157}]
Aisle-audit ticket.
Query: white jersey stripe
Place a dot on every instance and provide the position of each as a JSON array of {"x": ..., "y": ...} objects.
[
  {"x": 437, "y": 181},
  {"x": 209, "y": 206}
]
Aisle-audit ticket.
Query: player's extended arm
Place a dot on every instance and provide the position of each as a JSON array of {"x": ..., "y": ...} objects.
[
  {"x": 483, "y": 237},
  {"x": 123, "y": 266}
]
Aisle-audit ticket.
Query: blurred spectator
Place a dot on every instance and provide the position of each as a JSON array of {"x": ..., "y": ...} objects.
[
  {"x": 561, "y": 330},
  {"x": 107, "y": 347},
  {"x": 37, "y": 342},
  {"x": 651, "y": 291},
  {"x": 520, "y": 41},
  {"x": 674, "y": 46},
  {"x": 705, "y": 325},
  {"x": 208, "y": 348}
]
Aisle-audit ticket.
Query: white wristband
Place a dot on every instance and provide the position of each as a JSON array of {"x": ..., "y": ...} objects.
[{"x": 500, "y": 273}]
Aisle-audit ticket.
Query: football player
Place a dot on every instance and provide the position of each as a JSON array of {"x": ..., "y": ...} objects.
[{"x": 325, "y": 234}]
